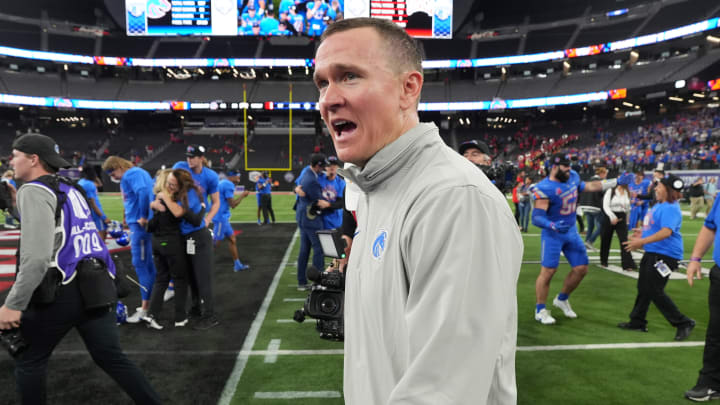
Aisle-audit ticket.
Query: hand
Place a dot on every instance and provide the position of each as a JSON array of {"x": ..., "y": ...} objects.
[
  {"x": 9, "y": 318},
  {"x": 614, "y": 221},
  {"x": 246, "y": 193},
  {"x": 634, "y": 243},
  {"x": 323, "y": 204},
  {"x": 560, "y": 226},
  {"x": 142, "y": 221},
  {"x": 158, "y": 206},
  {"x": 693, "y": 271},
  {"x": 161, "y": 196}
]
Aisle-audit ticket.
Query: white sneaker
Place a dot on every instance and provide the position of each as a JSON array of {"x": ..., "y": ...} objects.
[
  {"x": 565, "y": 307},
  {"x": 152, "y": 323},
  {"x": 137, "y": 316},
  {"x": 544, "y": 317},
  {"x": 169, "y": 294},
  {"x": 590, "y": 247},
  {"x": 181, "y": 323}
]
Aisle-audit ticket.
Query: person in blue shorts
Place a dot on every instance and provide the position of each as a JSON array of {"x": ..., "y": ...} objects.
[
  {"x": 663, "y": 245},
  {"x": 333, "y": 190},
  {"x": 136, "y": 186},
  {"x": 88, "y": 182},
  {"x": 639, "y": 207},
  {"x": 555, "y": 205},
  {"x": 222, "y": 230}
]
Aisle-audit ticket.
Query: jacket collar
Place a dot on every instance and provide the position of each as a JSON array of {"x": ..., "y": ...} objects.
[{"x": 397, "y": 154}]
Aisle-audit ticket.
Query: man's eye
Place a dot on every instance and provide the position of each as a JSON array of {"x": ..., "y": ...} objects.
[{"x": 350, "y": 76}]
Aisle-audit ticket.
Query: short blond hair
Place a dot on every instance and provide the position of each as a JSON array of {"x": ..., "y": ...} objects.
[
  {"x": 9, "y": 173},
  {"x": 116, "y": 162}
]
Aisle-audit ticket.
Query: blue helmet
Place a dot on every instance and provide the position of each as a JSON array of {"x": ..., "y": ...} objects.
[
  {"x": 115, "y": 229},
  {"x": 123, "y": 239}
]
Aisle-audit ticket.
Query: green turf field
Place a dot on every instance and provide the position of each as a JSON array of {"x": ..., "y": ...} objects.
[{"x": 579, "y": 375}]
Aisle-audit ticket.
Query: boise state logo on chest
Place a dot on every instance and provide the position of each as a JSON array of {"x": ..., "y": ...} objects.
[{"x": 378, "y": 245}]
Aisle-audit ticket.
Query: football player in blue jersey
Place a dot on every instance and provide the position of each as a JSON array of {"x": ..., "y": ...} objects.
[
  {"x": 640, "y": 186},
  {"x": 555, "y": 203},
  {"x": 221, "y": 224}
]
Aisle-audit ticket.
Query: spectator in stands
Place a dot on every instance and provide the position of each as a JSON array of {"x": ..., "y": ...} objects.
[
  {"x": 710, "y": 193},
  {"x": 136, "y": 186},
  {"x": 316, "y": 16},
  {"x": 222, "y": 230},
  {"x": 708, "y": 382},
  {"x": 297, "y": 20},
  {"x": 616, "y": 207},
  {"x": 663, "y": 246},
  {"x": 282, "y": 29},
  {"x": 246, "y": 5},
  {"x": 202, "y": 259},
  {"x": 697, "y": 197},
  {"x": 250, "y": 17},
  {"x": 269, "y": 23},
  {"x": 88, "y": 182}
]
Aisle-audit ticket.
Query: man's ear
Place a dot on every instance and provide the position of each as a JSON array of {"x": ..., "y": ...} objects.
[{"x": 412, "y": 83}]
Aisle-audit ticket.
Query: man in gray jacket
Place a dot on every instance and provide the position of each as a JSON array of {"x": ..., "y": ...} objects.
[{"x": 430, "y": 310}]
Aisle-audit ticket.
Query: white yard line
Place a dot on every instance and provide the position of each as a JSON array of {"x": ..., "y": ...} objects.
[
  {"x": 272, "y": 349},
  {"x": 242, "y": 358}
]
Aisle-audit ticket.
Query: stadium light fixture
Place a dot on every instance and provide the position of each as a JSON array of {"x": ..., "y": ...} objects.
[
  {"x": 698, "y": 95},
  {"x": 40, "y": 69},
  {"x": 675, "y": 99},
  {"x": 65, "y": 67},
  {"x": 680, "y": 84},
  {"x": 626, "y": 104},
  {"x": 691, "y": 101},
  {"x": 637, "y": 107},
  {"x": 617, "y": 109},
  {"x": 713, "y": 40}
]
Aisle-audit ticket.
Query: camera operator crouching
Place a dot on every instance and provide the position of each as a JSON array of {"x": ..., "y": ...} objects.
[{"x": 64, "y": 280}]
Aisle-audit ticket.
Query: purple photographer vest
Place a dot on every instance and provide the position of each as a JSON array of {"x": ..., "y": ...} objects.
[{"x": 80, "y": 238}]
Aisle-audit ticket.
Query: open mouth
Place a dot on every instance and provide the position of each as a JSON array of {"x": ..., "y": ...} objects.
[{"x": 343, "y": 127}]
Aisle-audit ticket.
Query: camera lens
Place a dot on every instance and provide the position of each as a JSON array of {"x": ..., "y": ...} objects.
[{"x": 328, "y": 305}]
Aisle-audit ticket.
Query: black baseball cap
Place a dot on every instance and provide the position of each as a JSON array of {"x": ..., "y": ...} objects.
[
  {"x": 194, "y": 150},
  {"x": 333, "y": 160},
  {"x": 43, "y": 146},
  {"x": 559, "y": 159},
  {"x": 673, "y": 182},
  {"x": 318, "y": 158},
  {"x": 479, "y": 145}
]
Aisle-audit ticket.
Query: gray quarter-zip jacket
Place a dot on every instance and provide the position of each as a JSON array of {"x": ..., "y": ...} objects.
[{"x": 430, "y": 304}]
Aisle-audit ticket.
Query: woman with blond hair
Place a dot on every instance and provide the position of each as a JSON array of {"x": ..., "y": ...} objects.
[{"x": 169, "y": 244}]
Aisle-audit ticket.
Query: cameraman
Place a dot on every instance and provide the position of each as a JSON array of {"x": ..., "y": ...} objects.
[
  {"x": 44, "y": 257},
  {"x": 311, "y": 196}
]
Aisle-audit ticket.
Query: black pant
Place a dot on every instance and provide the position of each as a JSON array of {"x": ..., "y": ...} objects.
[
  {"x": 170, "y": 262},
  {"x": 44, "y": 326},
  {"x": 201, "y": 271},
  {"x": 266, "y": 205},
  {"x": 606, "y": 237},
  {"x": 517, "y": 213},
  {"x": 651, "y": 288},
  {"x": 710, "y": 373}
]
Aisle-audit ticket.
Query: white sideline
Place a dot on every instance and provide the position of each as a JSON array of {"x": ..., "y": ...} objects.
[
  {"x": 242, "y": 358},
  {"x": 609, "y": 346}
]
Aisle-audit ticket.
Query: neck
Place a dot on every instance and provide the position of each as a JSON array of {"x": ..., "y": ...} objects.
[
  {"x": 35, "y": 173},
  {"x": 198, "y": 170}
]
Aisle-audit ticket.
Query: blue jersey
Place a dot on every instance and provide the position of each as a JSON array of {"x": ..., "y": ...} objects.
[
  {"x": 263, "y": 185},
  {"x": 332, "y": 190},
  {"x": 268, "y": 25},
  {"x": 638, "y": 189},
  {"x": 562, "y": 197},
  {"x": 247, "y": 20},
  {"x": 664, "y": 215},
  {"x": 298, "y": 22},
  {"x": 226, "y": 189},
  {"x": 136, "y": 186},
  {"x": 711, "y": 222},
  {"x": 91, "y": 193},
  {"x": 194, "y": 205},
  {"x": 207, "y": 179}
]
